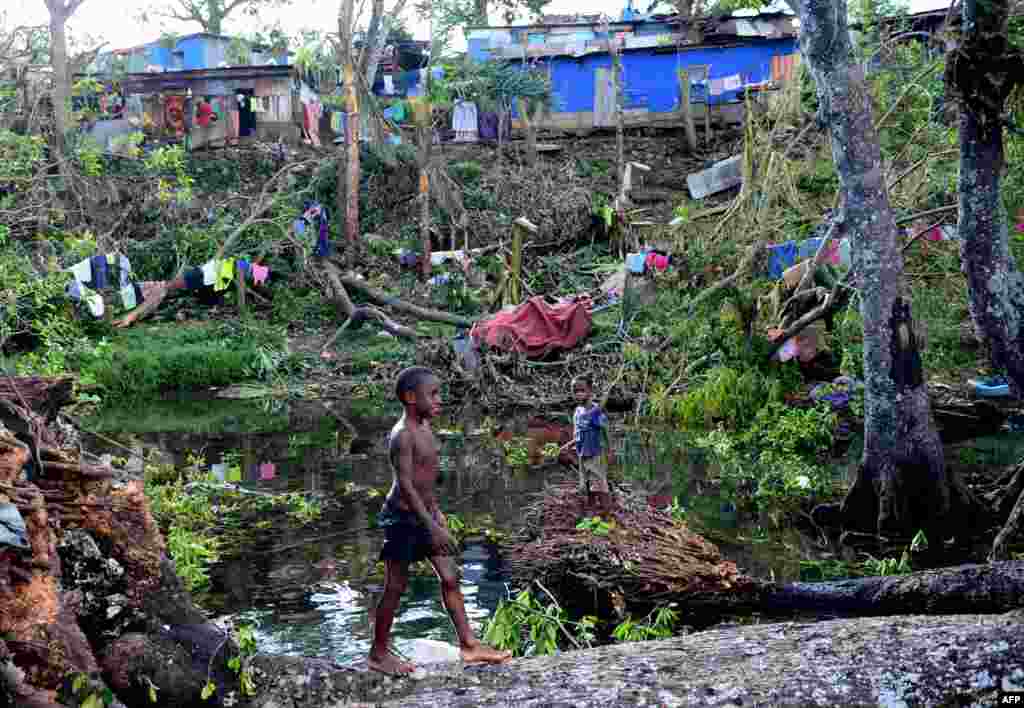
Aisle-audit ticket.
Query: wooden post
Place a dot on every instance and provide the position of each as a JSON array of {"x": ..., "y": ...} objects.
[
  {"x": 520, "y": 227},
  {"x": 516, "y": 265},
  {"x": 684, "y": 106},
  {"x": 240, "y": 277}
]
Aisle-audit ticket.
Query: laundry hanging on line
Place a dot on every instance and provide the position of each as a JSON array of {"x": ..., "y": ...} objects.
[
  {"x": 225, "y": 274},
  {"x": 99, "y": 272}
]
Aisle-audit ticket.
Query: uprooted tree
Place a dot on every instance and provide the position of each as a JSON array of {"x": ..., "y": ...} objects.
[{"x": 903, "y": 483}]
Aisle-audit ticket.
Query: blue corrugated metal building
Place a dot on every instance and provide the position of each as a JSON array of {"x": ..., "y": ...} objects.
[
  {"x": 736, "y": 53},
  {"x": 192, "y": 52}
]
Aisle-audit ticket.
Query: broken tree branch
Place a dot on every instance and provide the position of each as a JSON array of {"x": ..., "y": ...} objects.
[
  {"x": 930, "y": 212},
  {"x": 819, "y": 257},
  {"x": 1014, "y": 526},
  {"x": 919, "y": 234},
  {"x": 423, "y": 313},
  {"x": 745, "y": 265},
  {"x": 357, "y": 315},
  {"x": 808, "y": 319}
]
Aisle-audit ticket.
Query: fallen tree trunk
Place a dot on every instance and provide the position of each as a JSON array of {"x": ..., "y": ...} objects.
[
  {"x": 894, "y": 660},
  {"x": 357, "y": 315},
  {"x": 423, "y": 313},
  {"x": 994, "y": 587}
]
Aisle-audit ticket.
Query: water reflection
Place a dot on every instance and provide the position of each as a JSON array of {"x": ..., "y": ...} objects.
[{"x": 312, "y": 591}]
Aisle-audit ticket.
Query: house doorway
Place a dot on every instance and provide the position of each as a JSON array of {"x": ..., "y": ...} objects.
[{"x": 246, "y": 116}]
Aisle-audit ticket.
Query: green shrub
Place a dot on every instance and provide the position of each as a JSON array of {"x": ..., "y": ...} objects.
[{"x": 728, "y": 397}]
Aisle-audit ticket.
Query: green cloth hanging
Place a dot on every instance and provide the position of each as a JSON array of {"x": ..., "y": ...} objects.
[{"x": 225, "y": 275}]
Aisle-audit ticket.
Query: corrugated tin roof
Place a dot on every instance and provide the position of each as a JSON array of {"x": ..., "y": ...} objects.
[{"x": 716, "y": 31}]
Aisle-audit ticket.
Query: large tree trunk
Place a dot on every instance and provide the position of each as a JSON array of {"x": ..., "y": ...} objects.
[
  {"x": 956, "y": 660},
  {"x": 59, "y": 15},
  {"x": 990, "y": 587},
  {"x": 982, "y": 72},
  {"x": 903, "y": 484}
]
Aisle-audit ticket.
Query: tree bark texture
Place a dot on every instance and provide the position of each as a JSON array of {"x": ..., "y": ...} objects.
[
  {"x": 992, "y": 587},
  {"x": 903, "y": 484},
  {"x": 352, "y": 169},
  {"x": 918, "y": 661},
  {"x": 60, "y": 12},
  {"x": 981, "y": 73},
  {"x": 424, "y": 132},
  {"x": 348, "y": 168}
]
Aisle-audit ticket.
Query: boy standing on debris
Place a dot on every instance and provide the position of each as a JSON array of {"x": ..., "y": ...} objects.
[
  {"x": 590, "y": 436},
  {"x": 414, "y": 527}
]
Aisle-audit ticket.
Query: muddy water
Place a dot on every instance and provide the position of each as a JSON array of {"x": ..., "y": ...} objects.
[{"x": 311, "y": 592}]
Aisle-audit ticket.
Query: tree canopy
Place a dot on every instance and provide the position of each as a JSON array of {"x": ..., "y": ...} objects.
[{"x": 209, "y": 14}]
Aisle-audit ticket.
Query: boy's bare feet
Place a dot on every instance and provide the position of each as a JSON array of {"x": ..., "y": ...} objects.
[
  {"x": 388, "y": 663},
  {"x": 482, "y": 654}
]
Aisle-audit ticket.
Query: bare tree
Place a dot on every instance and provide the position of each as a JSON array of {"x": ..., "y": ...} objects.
[
  {"x": 358, "y": 76},
  {"x": 210, "y": 14},
  {"x": 60, "y": 12},
  {"x": 902, "y": 484}
]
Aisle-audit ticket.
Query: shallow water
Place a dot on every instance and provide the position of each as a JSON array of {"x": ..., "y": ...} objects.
[{"x": 311, "y": 592}]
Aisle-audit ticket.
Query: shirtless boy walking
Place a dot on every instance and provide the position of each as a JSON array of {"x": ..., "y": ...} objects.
[{"x": 414, "y": 527}]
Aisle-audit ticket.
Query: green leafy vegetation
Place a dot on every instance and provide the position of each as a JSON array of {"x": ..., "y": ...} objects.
[
  {"x": 659, "y": 624},
  {"x": 138, "y": 364},
  {"x": 596, "y": 525},
  {"x": 526, "y": 625}
]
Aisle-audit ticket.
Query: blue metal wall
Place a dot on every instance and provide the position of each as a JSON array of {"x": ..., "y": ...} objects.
[
  {"x": 650, "y": 77},
  {"x": 161, "y": 56},
  {"x": 195, "y": 53}
]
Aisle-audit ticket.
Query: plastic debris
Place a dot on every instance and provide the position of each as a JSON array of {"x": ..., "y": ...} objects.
[
  {"x": 991, "y": 387},
  {"x": 13, "y": 533}
]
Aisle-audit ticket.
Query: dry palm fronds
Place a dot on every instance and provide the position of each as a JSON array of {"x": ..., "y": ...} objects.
[{"x": 647, "y": 557}]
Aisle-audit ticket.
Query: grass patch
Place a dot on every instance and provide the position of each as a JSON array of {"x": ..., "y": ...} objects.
[
  {"x": 148, "y": 361},
  {"x": 364, "y": 350},
  {"x": 194, "y": 416}
]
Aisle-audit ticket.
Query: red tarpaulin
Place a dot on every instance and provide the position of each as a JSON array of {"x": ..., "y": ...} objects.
[{"x": 535, "y": 327}]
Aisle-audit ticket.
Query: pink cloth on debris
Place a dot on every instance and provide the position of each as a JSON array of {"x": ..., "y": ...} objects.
[
  {"x": 535, "y": 327},
  {"x": 259, "y": 273}
]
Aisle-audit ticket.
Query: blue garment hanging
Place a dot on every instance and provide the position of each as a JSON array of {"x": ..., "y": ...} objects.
[
  {"x": 99, "y": 272},
  {"x": 780, "y": 257}
]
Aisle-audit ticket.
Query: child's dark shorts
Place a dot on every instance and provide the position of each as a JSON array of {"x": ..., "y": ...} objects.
[{"x": 406, "y": 539}]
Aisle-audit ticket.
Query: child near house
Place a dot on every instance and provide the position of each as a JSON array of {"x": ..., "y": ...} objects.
[{"x": 590, "y": 436}]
